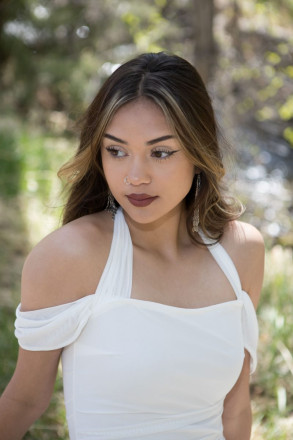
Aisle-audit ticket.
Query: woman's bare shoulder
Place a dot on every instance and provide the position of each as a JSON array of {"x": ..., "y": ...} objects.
[
  {"x": 242, "y": 234},
  {"x": 67, "y": 264},
  {"x": 245, "y": 245}
]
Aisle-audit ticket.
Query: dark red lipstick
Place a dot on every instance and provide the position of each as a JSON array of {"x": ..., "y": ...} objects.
[{"x": 140, "y": 200}]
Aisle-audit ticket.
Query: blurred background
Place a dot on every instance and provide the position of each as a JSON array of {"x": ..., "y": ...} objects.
[{"x": 54, "y": 56}]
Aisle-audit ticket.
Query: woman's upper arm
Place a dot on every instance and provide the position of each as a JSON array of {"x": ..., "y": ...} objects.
[
  {"x": 48, "y": 279},
  {"x": 34, "y": 377},
  {"x": 237, "y": 410},
  {"x": 245, "y": 246},
  {"x": 252, "y": 268},
  {"x": 28, "y": 393},
  {"x": 35, "y": 372}
]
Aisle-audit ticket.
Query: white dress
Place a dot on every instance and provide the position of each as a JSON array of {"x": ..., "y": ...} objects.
[{"x": 135, "y": 369}]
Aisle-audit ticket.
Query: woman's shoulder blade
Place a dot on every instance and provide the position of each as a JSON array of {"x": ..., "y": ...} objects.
[{"x": 68, "y": 263}]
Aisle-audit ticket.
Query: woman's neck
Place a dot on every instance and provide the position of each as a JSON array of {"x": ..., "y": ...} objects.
[{"x": 165, "y": 237}]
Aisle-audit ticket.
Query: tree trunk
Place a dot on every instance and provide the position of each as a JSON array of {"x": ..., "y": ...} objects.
[{"x": 203, "y": 16}]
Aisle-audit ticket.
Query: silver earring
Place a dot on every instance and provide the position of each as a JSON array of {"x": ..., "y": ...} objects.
[
  {"x": 195, "y": 217},
  {"x": 126, "y": 181},
  {"x": 111, "y": 207}
]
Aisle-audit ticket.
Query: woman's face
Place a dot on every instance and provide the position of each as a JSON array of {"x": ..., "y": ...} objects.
[{"x": 145, "y": 167}]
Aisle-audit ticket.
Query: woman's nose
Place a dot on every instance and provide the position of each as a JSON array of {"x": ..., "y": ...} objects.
[{"x": 138, "y": 173}]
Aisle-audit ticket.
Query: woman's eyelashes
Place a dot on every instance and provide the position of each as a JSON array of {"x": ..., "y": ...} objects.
[
  {"x": 162, "y": 153},
  {"x": 116, "y": 152},
  {"x": 156, "y": 153}
]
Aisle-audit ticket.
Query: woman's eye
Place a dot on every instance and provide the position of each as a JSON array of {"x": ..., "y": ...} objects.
[
  {"x": 162, "y": 154},
  {"x": 116, "y": 152}
]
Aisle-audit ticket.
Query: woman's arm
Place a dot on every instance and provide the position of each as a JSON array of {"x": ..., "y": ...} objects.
[
  {"x": 237, "y": 416},
  {"x": 245, "y": 245},
  {"x": 28, "y": 394}
]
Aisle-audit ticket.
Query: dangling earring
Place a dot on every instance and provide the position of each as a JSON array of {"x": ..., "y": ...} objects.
[
  {"x": 195, "y": 217},
  {"x": 111, "y": 207}
]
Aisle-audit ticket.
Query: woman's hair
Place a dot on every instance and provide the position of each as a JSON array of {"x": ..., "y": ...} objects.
[{"x": 177, "y": 88}]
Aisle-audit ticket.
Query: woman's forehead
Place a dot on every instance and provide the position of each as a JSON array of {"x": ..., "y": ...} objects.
[{"x": 139, "y": 115}]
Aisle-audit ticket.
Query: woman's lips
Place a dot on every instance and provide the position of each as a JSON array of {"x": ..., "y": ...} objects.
[{"x": 140, "y": 200}]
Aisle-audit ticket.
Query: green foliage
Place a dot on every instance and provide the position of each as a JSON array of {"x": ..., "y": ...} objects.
[
  {"x": 29, "y": 162},
  {"x": 55, "y": 51},
  {"x": 36, "y": 180},
  {"x": 261, "y": 72},
  {"x": 273, "y": 58},
  {"x": 289, "y": 71},
  {"x": 8, "y": 345},
  {"x": 273, "y": 385},
  {"x": 11, "y": 161},
  {"x": 146, "y": 26},
  {"x": 44, "y": 43},
  {"x": 288, "y": 135},
  {"x": 286, "y": 110}
]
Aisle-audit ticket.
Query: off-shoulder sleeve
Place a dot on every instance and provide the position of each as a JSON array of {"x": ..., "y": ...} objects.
[
  {"x": 250, "y": 330},
  {"x": 53, "y": 327}
]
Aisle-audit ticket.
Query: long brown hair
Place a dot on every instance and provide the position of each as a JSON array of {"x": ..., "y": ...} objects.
[{"x": 177, "y": 88}]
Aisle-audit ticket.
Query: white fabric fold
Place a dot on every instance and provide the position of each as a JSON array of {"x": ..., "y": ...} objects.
[
  {"x": 53, "y": 327},
  {"x": 250, "y": 329}
]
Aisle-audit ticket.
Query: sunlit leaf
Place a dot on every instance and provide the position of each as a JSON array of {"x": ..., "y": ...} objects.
[
  {"x": 264, "y": 114},
  {"x": 288, "y": 135},
  {"x": 273, "y": 58},
  {"x": 286, "y": 111},
  {"x": 289, "y": 71}
]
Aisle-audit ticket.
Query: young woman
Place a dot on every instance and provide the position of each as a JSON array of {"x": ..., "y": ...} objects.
[{"x": 153, "y": 313}]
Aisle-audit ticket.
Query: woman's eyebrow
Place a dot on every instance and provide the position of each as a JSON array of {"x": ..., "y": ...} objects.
[
  {"x": 151, "y": 142},
  {"x": 160, "y": 139},
  {"x": 114, "y": 138}
]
